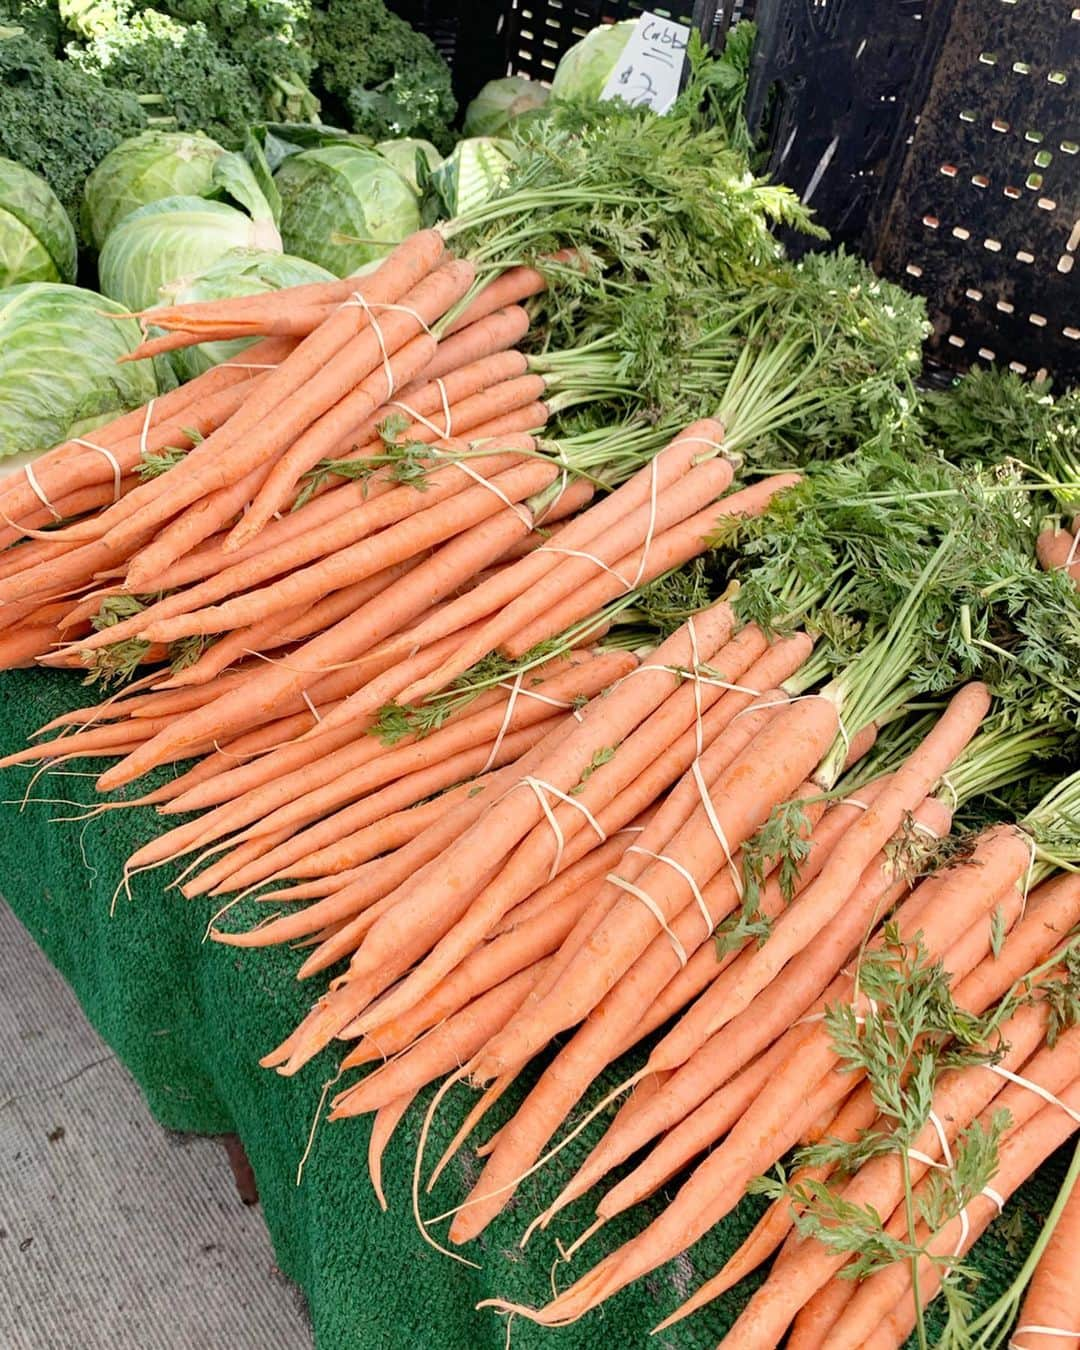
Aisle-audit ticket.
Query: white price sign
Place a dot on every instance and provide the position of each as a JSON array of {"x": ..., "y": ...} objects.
[{"x": 647, "y": 74}]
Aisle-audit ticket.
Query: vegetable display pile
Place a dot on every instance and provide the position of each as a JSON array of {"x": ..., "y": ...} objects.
[{"x": 573, "y": 619}]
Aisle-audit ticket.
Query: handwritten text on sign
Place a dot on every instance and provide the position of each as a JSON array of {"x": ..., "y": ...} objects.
[{"x": 648, "y": 72}]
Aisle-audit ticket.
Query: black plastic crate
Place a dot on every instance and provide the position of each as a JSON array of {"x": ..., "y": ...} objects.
[{"x": 937, "y": 138}]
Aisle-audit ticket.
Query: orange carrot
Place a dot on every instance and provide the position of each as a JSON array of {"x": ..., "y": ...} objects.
[
  {"x": 606, "y": 722},
  {"x": 343, "y": 419},
  {"x": 509, "y": 288},
  {"x": 382, "y": 1128},
  {"x": 305, "y": 384},
  {"x": 782, "y": 755},
  {"x": 1050, "y": 1300},
  {"x": 705, "y": 1073},
  {"x": 494, "y": 332},
  {"x": 883, "y": 1305},
  {"x": 1057, "y": 552}
]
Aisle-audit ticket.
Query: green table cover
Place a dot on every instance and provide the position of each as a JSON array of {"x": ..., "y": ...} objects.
[{"x": 189, "y": 1019}]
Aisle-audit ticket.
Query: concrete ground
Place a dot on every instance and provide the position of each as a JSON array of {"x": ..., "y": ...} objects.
[{"x": 114, "y": 1234}]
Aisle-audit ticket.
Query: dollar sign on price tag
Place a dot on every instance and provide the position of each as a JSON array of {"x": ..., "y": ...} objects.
[{"x": 648, "y": 72}]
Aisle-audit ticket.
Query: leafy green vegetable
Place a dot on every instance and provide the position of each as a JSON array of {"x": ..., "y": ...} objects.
[
  {"x": 179, "y": 73},
  {"x": 271, "y": 39},
  {"x": 343, "y": 207},
  {"x": 238, "y": 272},
  {"x": 58, "y": 365},
  {"x": 37, "y": 238},
  {"x": 56, "y": 120},
  {"x": 377, "y": 75},
  {"x": 172, "y": 239}
]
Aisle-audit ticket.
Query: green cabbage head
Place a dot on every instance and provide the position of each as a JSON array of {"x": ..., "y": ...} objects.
[
  {"x": 242, "y": 271},
  {"x": 343, "y": 206},
  {"x": 146, "y": 168},
  {"x": 499, "y": 102},
  {"x": 402, "y": 155},
  {"x": 585, "y": 68},
  {"x": 165, "y": 243},
  {"x": 475, "y": 170},
  {"x": 37, "y": 239},
  {"x": 59, "y": 375}
]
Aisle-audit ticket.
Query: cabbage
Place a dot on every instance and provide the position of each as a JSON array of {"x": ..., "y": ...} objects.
[
  {"x": 58, "y": 365},
  {"x": 586, "y": 67},
  {"x": 161, "y": 164},
  {"x": 37, "y": 240},
  {"x": 473, "y": 172},
  {"x": 168, "y": 241},
  {"x": 499, "y": 102},
  {"x": 402, "y": 155},
  {"x": 342, "y": 206},
  {"x": 241, "y": 271}
]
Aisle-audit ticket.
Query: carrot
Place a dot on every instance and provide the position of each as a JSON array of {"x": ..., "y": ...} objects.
[
  {"x": 734, "y": 662},
  {"x": 699, "y": 485},
  {"x": 696, "y": 1030},
  {"x": 600, "y": 1038},
  {"x": 508, "y": 288},
  {"x": 349, "y": 940},
  {"x": 767, "y": 1127},
  {"x": 268, "y": 479},
  {"x": 854, "y": 1116},
  {"x": 317, "y": 293},
  {"x": 272, "y": 861},
  {"x": 382, "y": 1128},
  {"x": 1053, "y": 910},
  {"x": 965, "y": 1090},
  {"x": 629, "y": 784},
  {"x": 1050, "y": 1300},
  {"x": 489, "y": 965},
  {"x": 365, "y": 885},
  {"x": 426, "y": 397},
  {"x": 447, "y": 1046},
  {"x": 53, "y": 470},
  {"x": 958, "y": 1098},
  {"x": 234, "y": 794},
  {"x": 632, "y": 500},
  {"x": 357, "y": 771},
  {"x": 531, "y": 418},
  {"x": 1057, "y": 551},
  {"x": 669, "y": 549},
  {"x": 472, "y": 342}
]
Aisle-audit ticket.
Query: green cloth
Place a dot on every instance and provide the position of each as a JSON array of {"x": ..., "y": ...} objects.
[{"x": 190, "y": 1019}]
